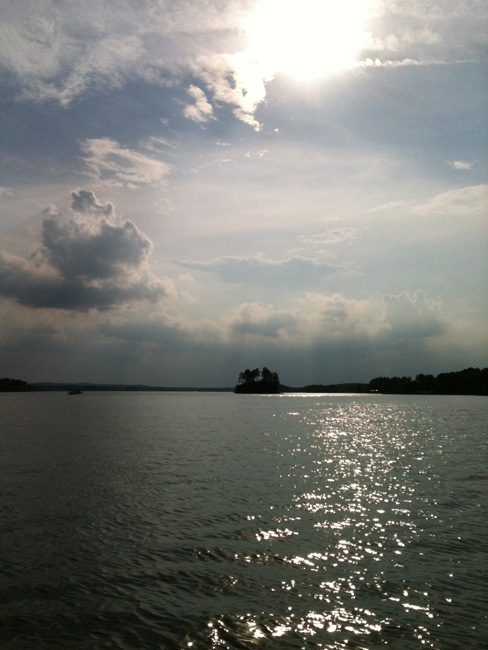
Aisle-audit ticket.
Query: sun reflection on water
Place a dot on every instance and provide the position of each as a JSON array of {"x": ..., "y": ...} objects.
[{"x": 343, "y": 537}]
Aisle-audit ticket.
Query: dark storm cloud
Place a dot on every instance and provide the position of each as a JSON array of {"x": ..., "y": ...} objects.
[
  {"x": 91, "y": 261},
  {"x": 38, "y": 290}
]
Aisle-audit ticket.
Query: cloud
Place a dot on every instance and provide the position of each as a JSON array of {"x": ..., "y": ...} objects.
[
  {"x": 111, "y": 165},
  {"x": 413, "y": 316},
  {"x": 92, "y": 261},
  {"x": 166, "y": 331},
  {"x": 463, "y": 202},
  {"x": 459, "y": 164},
  {"x": 320, "y": 339},
  {"x": 261, "y": 320},
  {"x": 234, "y": 80},
  {"x": 289, "y": 273},
  {"x": 380, "y": 63},
  {"x": 92, "y": 249},
  {"x": 85, "y": 202},
  {"x": 412, "y": 33},
  {"x": 452, "y": 206},
  {"x": 335, "y": 317},
  {"x": 336, "y": 236},
  {"x": 201, "y": 111},
  {"x": 59, "y": 51},
  {"x": 158, "y": 144},
  {"x": 319, "y": 319}
]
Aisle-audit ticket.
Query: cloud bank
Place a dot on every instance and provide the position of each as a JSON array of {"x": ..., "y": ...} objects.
[{"x": 58, "y": 52}]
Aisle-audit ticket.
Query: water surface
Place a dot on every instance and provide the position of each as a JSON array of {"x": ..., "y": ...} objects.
[{"x": 195, "y": 520}]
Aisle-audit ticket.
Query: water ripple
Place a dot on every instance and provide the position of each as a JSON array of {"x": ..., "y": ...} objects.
[{"x": 186, "y": 521}]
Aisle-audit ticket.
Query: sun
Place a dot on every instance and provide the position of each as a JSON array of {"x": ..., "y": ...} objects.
[{"x": 306, "y": 39}]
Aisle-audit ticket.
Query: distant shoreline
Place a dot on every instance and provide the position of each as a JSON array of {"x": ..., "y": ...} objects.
[
  {"x": 470, "y": 381},
  {"x": 133, "y": 388}
]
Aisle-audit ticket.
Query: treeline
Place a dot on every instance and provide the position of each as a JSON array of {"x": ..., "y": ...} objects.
[
  {"x": 328, "y": 388},
  {"x": 12, "y": 385},
  {"x": 471, "y": 381}
]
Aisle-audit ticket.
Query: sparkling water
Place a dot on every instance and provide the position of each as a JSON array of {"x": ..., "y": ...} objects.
[{"x": 196, "y": 520}]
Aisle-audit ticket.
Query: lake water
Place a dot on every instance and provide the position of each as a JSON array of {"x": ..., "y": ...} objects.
[{"x": 191, "y": 520}]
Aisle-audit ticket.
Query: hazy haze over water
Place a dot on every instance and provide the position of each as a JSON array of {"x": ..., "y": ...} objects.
[{"x": 178, "y": 520}]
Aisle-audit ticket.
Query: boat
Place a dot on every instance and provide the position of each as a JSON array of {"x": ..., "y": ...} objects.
[{"x": 75, "y": 391}]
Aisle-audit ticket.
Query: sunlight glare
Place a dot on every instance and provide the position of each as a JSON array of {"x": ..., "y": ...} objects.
[{"x": 306, "y": 39}]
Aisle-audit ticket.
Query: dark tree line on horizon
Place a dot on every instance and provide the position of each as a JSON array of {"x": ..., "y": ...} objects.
[
  {"x": 471, "y": 381},
  {"x": 12, "y": 385}
]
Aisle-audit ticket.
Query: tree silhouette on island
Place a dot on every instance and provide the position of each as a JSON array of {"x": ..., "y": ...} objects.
[{"x": 258, "y": 381}]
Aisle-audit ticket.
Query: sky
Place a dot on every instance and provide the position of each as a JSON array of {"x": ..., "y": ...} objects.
[{"x": 190, "y": 188}]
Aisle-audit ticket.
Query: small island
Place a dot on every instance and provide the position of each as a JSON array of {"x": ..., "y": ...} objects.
[{"x": 258, "y": 381}]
